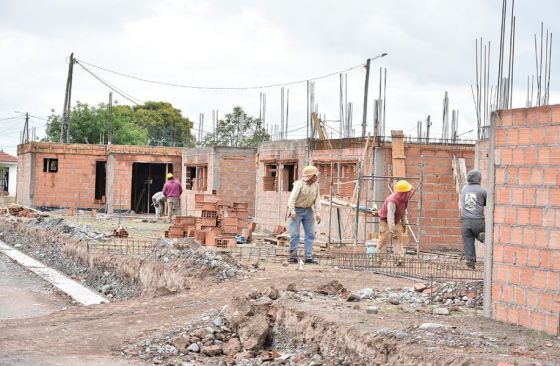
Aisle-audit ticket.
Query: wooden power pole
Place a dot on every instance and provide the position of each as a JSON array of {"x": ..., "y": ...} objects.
[
  {"x": 65, "y": 124},
  {"x": 366, "y": 86}
]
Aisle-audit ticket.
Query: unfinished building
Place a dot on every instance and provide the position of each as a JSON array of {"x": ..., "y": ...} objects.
[
  {"x": 226, "y": 171},
  {"x": 119, "y": 177},
  {"x": 428, "y": 166}
]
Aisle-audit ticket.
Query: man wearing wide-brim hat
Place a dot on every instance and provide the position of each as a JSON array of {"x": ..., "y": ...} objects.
[{"x": 304, "y": 207}]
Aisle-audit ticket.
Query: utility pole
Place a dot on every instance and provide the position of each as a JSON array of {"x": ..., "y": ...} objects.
[
  {"x": 65, "y": 124},
  {"x": 110, "y": 124},
  {"x": 428, "y": 124},
  {"x": 365, "y": 98},
  {"x": 26, "y": 129}
]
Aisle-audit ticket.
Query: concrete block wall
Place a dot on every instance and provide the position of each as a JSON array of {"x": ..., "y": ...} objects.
[
  {"x": 25, "y": 177},
  {"x": 526, "y": 272}
]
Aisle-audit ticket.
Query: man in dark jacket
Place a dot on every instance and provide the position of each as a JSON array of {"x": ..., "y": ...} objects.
[{"x": 471, "y": 204}]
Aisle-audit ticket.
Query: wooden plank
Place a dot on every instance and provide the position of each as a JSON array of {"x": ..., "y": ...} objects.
[
  {"x": 320, "y": 129},
  {"x": 459, "y": 174},
  {"x": 398, "y": 155}
]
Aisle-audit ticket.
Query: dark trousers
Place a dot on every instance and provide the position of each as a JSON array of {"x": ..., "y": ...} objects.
[{"x": 471, "y": 230}]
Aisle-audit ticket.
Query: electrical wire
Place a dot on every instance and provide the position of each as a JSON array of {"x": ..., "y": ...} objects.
[
  {"x": 112, "y": 87},
  {"x": 9, "y": 118},
  {"x": 265, "y": 86}
]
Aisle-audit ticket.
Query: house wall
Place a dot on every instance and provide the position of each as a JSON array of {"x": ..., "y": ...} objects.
[
  {"x": 73, "y": 185},
  {"x": 270, "y": 206},
  {"x": 526, "y": 232},
  {"x": 440, "y": 214}
]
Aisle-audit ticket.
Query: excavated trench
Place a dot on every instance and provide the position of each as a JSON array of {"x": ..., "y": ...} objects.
[{"x": 165, "y": 270}]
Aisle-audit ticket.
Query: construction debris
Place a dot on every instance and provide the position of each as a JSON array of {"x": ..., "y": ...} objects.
[
  {"x": 20, "y": 211},
  {"x": 120, "y": 232}
]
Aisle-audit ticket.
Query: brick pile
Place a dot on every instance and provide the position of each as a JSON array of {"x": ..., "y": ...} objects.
[
  {"x": 215, "y": 224},
  {"x": 526, "y": 273}
]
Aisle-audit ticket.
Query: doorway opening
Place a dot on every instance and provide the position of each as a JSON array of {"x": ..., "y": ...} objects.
[
  {"x": 147, "y": 179},
  {"x": 100, "y": 180}
]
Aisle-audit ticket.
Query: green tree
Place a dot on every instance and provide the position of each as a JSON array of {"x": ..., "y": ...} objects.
[
  {"x": 166, "y": 125},
  {"x": 154, "y": 123},
  {"x": 237, "y": 129}
]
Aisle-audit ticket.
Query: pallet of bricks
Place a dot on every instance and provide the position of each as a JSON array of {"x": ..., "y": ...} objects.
[{"x": 215, "y": 224}]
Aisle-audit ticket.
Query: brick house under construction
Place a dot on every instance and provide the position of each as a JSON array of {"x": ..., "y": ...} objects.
[
  {"x": 280, "y": 163},
  {"x": 119, "y": 177}
]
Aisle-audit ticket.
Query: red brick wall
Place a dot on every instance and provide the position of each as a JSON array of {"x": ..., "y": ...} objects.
[
  {"x": 123, "y": 175},
  {"x": 526, "y": 272},
  {"x": 237, "y": 170},
  {"x": 441, "y": 227},
  {"x": 73, "y": 185}
]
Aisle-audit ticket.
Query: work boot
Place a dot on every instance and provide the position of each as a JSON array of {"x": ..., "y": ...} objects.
[
  {"x": 311, "y": 261},
  {"x": 293, "y": 257}
]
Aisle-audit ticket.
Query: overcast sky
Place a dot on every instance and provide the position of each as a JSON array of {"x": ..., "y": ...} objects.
[{"x": 237, "y": 43}]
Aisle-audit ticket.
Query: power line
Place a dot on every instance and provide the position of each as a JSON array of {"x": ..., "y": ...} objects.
[
  {"x": 266, "y": 86},
  {"x": 112, "y": 87},
  {"x": 9, "y": 118}
]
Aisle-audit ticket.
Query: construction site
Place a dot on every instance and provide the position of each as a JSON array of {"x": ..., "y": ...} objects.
[{"x": 90, "y": 274}]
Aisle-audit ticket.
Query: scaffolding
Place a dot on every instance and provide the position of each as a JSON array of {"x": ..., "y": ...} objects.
[{"x": 369, "y": 209}]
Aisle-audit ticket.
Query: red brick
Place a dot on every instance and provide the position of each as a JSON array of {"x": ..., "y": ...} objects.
[
  {"x": 533, "y": 298},
  {"x": 500, "y": 137},
  {"x": 524, "y": 176},
  {"x": 537, "y": 321},
  {"x": 522, "y": 217},
  {"x": 519, "y": 294},
  {"x": 513, "y": 315},
  {"x": 551, "y": 176},
  {"x": 526, "y": 277},
  {"x": 507, "y": 293},
  {"x": 509, "y": 254},
  {"x": 528, "y": 236},
  {"x": 512, "y": 136},
  {"x": 539, "y": 279},
  {"x": 554, "y": 199},
  {"x": 524, "y": 317},
  {"x": 538, "y": 136},
  {"x": 535, "y": 216},
  {"x": 511, "y": 215},
  {"x": 518, "y": 156},
  {"x": 524, "y": 136},
  {"x": 534, "y": 257},
  {"x": 529, "y": 195}
]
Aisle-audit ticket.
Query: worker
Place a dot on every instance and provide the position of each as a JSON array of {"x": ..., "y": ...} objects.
[
  {"x": 393, "y": 216},
  {"x": 172, "y": 191},
  {"x": 471, "y": 205},
  {"x": 157, "y": 201},
  {"x": 304, "y": 206}
]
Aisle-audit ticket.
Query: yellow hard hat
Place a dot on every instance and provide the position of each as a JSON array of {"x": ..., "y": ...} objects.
[
  {"x": 403, "y": 186},
  {"x": 169, "y": 175}
]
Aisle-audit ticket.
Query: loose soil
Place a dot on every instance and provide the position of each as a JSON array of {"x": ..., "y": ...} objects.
[{"x": 342, "y": 332}]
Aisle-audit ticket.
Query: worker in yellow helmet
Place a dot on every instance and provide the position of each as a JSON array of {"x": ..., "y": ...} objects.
[
  {"x": 394, "y": 219},
  {"x": 172, "y": 191}
]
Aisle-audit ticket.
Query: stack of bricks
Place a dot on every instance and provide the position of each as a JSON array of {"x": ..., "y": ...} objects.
[
  {"x": 526, "y": 272},
  {"x": 182, "y": 226},
  {"x": 216, "y": 224}
]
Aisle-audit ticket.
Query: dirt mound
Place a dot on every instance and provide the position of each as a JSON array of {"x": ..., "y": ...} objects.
[
  {"x": 194, "y": 259},
  {"x": 242, "y": 333}
]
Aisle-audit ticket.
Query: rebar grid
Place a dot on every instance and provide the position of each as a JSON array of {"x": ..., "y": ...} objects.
[{"x": 121, "y": 246}]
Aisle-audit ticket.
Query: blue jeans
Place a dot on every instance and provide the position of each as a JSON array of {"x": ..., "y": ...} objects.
[{"x": 305, "y": 217}]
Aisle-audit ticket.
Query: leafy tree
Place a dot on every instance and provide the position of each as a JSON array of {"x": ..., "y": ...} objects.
[
  {"x": 166, "y": 126},
  {"x": 154, "y": 123},
  {"x": 237, "y": 129}
]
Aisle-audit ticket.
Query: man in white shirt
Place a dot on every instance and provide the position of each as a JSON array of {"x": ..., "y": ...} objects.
[{"x": 304, "y": 207}]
